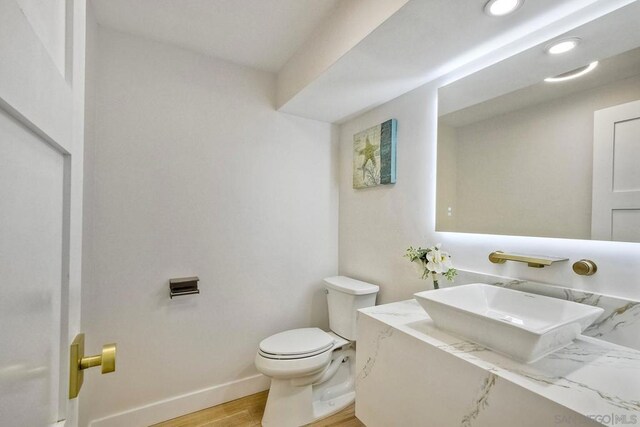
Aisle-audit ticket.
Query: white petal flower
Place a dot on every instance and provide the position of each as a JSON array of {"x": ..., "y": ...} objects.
[
  {"x": 434, "y": 261},
  {"x": 434, "y": 268},
  {"x": 446, "y": 260}
]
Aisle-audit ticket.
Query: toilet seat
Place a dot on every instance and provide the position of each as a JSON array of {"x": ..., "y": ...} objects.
[{"x": 296, "y": 344}]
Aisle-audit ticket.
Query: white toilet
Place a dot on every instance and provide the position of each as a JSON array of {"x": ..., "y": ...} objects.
[{"x": 313, "y": 372}]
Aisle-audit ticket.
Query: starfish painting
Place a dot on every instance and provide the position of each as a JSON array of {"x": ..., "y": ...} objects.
[
  {"x": 374, "y": 155},
  {"x": 369, "y": 153}
]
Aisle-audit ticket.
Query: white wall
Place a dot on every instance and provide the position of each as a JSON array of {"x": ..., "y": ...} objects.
[
  {"x": 377, "y": 224},
  {"x": 195, "y": 173},
  {"x": 529, "y": 172}
]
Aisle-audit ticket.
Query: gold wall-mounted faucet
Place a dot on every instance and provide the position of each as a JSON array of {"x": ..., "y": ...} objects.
[{"x": 535, "y": 261}]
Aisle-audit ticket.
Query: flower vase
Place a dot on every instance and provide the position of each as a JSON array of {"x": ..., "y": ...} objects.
[{"x": 435, "y": 284}]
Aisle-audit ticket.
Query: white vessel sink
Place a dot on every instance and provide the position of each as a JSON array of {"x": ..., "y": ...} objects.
[{"x": 517, "y": 324}]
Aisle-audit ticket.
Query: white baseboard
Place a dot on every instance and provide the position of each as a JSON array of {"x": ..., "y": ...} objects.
[{"x": 184, "y": 404}]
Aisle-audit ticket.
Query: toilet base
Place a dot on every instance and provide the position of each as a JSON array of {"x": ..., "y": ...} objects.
[{"x": 289, "y": 405}]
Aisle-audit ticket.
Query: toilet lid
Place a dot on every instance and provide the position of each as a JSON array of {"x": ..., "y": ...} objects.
[{"x": 297, "y": 342}]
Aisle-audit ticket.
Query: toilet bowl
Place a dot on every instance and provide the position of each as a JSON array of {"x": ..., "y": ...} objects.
[{"x": 312, "y": 371}]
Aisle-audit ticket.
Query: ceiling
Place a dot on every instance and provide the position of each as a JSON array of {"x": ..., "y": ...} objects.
[
  {"x": 517, "y": 82},
  {"x": 424, "y": 41},
  {"x": 262, "y": 34},
  {"x": 610, "y": 70}
]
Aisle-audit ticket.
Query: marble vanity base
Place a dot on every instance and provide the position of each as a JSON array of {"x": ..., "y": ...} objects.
[{"x": 412, "y": 374}]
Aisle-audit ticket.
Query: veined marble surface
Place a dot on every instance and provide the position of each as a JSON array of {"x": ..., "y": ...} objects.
[
  {"x": 619, "y": 324},
  {"x": 591, "y": 377}
]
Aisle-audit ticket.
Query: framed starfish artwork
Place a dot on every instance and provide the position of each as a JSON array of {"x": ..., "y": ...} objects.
[{"x": 374, "y": 155}]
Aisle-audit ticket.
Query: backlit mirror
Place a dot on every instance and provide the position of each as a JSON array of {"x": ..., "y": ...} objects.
[{"x": 518, "y": 155}]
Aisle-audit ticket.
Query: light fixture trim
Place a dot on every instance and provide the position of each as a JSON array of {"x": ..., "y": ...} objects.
[
  {"x": 561, "y": 46},
  {"x": 573, "y": 74},
  {"x": 499, "y": 8}
]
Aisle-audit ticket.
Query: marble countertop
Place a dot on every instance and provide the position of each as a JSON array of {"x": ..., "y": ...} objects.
[{"x": 592, "y": 377}]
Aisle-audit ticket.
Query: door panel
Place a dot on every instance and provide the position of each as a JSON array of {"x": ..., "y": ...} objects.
[
  {"x": 625, "y": 225},
  {"x": 31, "y": 260},
  {"x": 626, "y": 156}
]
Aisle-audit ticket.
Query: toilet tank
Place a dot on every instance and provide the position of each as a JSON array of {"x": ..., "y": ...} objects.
[{"x": 345, "y": 296}]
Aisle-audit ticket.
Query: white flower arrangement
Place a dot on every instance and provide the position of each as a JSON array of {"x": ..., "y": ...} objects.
[{"x": 432, "y": 262}]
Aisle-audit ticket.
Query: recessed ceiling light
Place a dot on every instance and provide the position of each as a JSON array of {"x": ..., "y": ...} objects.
[
  {"x": 562, "y": 46},
  {"x": 502, "y": 7},
  {"x": 573, "y": 74}
]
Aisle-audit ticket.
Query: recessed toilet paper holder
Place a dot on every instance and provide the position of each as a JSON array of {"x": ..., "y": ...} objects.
[{"x": 183, "y": 286}]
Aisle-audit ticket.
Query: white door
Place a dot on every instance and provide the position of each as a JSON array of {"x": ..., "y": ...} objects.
[
  {"x": 40, "y": 210},
  {"x": 616, "y": 174},
  {"x": 31, "y": 266}
]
